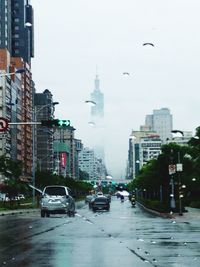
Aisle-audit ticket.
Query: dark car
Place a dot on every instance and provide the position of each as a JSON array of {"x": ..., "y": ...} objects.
[
  {"x": 100, "y": 203},
  {"x": 108, "y": 197}
]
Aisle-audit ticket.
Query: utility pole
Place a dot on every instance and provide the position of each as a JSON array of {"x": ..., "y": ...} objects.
[{"x": 179, "y": 169}]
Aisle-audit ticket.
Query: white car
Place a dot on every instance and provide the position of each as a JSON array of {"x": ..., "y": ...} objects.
[{"x": 57, "y": 200}]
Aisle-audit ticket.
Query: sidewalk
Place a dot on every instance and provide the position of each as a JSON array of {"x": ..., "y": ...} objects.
[
  {"x": 160, "y": 214},
  {"x": 190, "y": 215}
]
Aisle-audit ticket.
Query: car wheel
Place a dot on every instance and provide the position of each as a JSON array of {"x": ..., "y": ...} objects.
[
  {"x": 42, "y": 213},
  {"x": 70, "y": 213}
]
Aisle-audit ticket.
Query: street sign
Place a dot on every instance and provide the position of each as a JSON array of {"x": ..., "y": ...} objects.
[
  {"x": 3, "y": 124},
  {"x": 179, "y": 167},
  {"x": 172, "y": 169}
]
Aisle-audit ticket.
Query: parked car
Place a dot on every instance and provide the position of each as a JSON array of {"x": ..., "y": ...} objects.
[
  {"x": 57, "y": 200},
  {"x": 100, "y": 203}
]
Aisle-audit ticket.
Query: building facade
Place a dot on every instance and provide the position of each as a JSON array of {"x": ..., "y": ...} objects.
[
  {"x": 160, "y": 122},
  {"x": 17, "y": 28},
  {"x": 44, "y": 110},
  {"x": 66, "y": 152},
  {"x": 90, "y": 163},
  {"x": 143, "y": 146},
  {"x": 16, "y": 51}
]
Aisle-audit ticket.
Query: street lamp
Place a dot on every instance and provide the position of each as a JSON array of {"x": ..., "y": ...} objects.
[
  {"x": 179, "y": 169},
  {"x": 20, "y": 70}
]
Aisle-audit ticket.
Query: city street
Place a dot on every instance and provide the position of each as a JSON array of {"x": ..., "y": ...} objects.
[{"x": 124, "y": 236}]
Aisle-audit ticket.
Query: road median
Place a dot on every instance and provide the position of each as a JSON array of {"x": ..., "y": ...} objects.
[{"x": 155, "y": 212}]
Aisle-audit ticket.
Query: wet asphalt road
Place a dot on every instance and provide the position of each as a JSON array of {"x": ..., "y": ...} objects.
[{"x": 124, "y": 236}]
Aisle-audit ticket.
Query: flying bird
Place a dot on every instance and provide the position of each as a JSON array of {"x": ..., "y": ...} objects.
[
  {"x": 90, "y": 102},
  {"x": 91, "y": 123},
  {"x": 126, "y": 73},
  {"x": 148, "y": 44}
]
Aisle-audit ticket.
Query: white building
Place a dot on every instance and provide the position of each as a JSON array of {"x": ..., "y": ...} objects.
[
  {"x": 161, "y": 122},
  {"x": 143, "y": 146},
  {"x": 90, "y": 163},
  {"x": 150, "y": 148}
]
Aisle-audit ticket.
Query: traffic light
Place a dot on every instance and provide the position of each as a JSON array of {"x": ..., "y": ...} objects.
[
  {"x": 64, "y": 123},
  {"x": 55, "y": 123}
]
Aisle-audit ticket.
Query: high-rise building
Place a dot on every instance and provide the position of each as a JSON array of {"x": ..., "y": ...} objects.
[
  {"x": 161, "y": 122},
  {"x": 97, "y": 111},
  {"x": 66, "y": 151},
  {"x": 16, "y": 31},
  {"x": 97, "y": 117},
  {"x": 44, "y": 110},
  {"x": 17, "y": 48},
  {"x": 90, "y": 163},
  {"x": 139, "y": 151}
]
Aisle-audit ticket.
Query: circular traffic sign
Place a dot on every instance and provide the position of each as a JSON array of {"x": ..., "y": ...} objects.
[{"x": 3, "y": 124}]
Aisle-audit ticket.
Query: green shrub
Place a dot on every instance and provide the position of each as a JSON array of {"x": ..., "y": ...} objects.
[{"x": 195, "y": 204}]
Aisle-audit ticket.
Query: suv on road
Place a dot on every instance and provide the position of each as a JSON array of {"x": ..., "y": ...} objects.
[{"x": 57, "y": 200}]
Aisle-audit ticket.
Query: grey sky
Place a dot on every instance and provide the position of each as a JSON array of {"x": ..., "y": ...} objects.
[{"x": 72, "y": 37}]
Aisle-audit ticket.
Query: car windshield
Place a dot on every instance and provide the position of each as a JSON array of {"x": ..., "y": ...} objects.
[{"x": 55, "y": 191}]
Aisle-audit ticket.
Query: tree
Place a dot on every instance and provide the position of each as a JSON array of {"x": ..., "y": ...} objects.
[
  {"x": 12, "y": 171},
  {"x": 83, "y": 175}
]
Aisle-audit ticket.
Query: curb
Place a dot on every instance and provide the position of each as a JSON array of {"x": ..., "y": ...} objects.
[
  {"x": 157, "y": 213},
  {"x": 20, "y": 211},
  {"x": 79, "y": 204}
]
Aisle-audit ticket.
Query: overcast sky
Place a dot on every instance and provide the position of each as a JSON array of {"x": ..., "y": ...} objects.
[{"x": 73, "y": 37}]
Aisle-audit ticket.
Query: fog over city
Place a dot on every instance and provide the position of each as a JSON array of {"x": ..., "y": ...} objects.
[{"x": 75, "y": 40}]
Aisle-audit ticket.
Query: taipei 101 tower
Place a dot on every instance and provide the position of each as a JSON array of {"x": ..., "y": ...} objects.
[
  {"x": 97, "y": 117},
  {"x": 97, "y": 111}
]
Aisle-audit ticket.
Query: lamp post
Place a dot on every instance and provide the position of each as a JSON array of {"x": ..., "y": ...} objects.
[
  {"x": 20, "y": 70},
  {"x": 179, "y": 169},
  {"x": 172, "y": 170}
]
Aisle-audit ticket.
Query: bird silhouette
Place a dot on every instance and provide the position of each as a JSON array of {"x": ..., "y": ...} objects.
[
  {"x": 148, "y": 44},
  {"x": 91, "y": 102}
]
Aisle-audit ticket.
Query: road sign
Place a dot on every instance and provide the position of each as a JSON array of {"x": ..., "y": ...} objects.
[
  {"x": 3, "y": 124},
  {"x": 179, "y": 167},
  {"x": 172, "y": 169}
]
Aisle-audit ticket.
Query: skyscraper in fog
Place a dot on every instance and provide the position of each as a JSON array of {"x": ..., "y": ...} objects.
[
  {"x": 97, "y": 116},
  {"x": 97, "y": 111}
]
